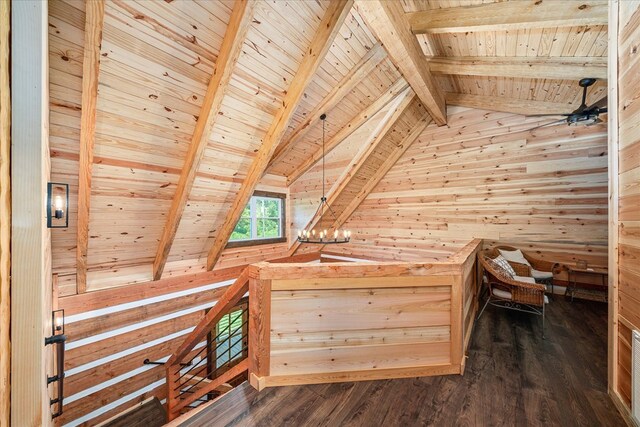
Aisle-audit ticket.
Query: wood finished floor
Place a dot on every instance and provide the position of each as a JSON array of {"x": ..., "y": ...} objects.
[{"x": 513, "y": 378}]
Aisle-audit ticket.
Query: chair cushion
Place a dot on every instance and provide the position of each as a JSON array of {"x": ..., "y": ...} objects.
[
  {"x": 537, "y": 274},
  {"x": 507, "y": 295},
  {"x": 524, "y": 279},
  {"x": 514, "y": 256},
  {"x": 504, "y": 265}
]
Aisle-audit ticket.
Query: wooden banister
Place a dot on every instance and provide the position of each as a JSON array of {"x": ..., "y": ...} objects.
[{"x": 183, "y": 389}]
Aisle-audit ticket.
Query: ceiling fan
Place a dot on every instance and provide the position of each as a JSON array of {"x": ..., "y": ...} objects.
[{"x": 583, "y": 115}]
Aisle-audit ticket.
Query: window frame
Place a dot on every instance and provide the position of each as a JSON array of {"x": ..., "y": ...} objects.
[{"x": 268, "y": 240}]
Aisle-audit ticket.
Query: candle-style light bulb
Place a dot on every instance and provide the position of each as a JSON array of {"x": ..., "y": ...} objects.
[
  {"x": 299, "y": 233},
  {"x": 335, "y": 234},
  {"x": 313, "y": 232},
  {"x": 59, "y": 213}
]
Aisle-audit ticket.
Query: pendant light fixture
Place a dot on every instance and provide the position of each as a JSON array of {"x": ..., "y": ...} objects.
[{"x": 324, "y": 237}]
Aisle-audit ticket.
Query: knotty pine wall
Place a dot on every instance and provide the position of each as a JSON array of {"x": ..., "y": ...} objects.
[
  {"x": 485, "y": 175},
  {"x": 626, "y": 223}
]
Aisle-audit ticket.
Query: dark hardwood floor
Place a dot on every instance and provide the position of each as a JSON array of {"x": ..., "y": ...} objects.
[{"x": 513, "y": 378}]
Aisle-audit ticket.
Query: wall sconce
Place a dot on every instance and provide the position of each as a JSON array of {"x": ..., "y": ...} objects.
[
  {"x": 57, "y": 338},
  {"x": 57, "y": 205}
]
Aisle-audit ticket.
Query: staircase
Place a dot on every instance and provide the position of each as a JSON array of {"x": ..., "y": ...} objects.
[{"x": 214, "y": 356}]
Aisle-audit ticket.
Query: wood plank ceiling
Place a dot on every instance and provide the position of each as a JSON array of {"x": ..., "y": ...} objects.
[{"x": 147, "y": 171}]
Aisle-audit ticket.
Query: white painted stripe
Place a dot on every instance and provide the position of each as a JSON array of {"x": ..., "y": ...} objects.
[
  {"x": 111, "y": 357},
  {"x": 121, "y": 307},
  {"x": 116, "y": 403},
  {"x": 135, "y": 326}
]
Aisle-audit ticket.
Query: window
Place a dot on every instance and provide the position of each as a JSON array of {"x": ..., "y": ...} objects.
[{"x": 262, "y": 221}]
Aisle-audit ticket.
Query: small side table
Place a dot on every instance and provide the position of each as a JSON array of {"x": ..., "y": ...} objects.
[{"x": 575, "y": 272}]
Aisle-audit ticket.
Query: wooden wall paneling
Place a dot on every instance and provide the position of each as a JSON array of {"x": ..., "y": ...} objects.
[
  {"x": 520, "y": 15},
  {"x": 94, "y": 20},
  {"x": 373, "y": 180},
  {"x": 387, "y": 20},
  {"x": 231, "y": 45},
  {"x": 330, "y": 24},
  {"x": 5, "y": 214},
  {"x": 487, "y": 177},
  {"x": 613, "y": 147},
  {"x": 624, "y": 248},
  {"x": 567, "y": 68},
  {"x": 353, "y": 125},
  {"x": 366, "y": 151},
  {"x": 31, "y": 292}
]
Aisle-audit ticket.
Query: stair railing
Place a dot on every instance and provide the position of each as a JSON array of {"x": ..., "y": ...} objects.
[{"x": 212, "y": 355}]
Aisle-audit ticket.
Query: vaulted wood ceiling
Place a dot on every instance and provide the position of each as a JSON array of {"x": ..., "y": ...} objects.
[{"x": 200, "y": 102}]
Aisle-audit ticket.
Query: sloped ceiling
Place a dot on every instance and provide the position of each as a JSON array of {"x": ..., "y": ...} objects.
[{"x": 156, "y": 60}]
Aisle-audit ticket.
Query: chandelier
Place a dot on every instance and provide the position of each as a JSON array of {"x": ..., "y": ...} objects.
[{"x": 324, "y": 237}]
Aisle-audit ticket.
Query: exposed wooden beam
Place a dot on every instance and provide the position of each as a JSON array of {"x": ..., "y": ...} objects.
[
  {"x": 5, "y": 213},
  {"x": 388, "y": 22},
  {"x": 230, "y": 49},
  {"x": 397, "y": 152},
  {"x": 361, "y": 70},
  {"x": 94, "y": 21},
  {"x": 330, "y": 24},
  {"x": 561, "y": 68},
  {"x": 354, "y": 124},
  {"x": 510, "y": 15},
  {"x": 402, "y": 102},
  {"x": 508, "y": 105}
]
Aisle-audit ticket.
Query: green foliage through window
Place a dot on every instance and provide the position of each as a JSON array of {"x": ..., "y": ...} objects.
[{"x": 261, "y": 219}]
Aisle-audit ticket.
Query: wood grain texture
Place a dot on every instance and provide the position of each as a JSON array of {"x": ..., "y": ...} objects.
[
  {"x": 625, "y": 187},
  {"x": 332, "y": 21},
  {"x": 508, "y": 105},
  {"x": 31, "y": 278},
  {"x": 94, "y": 21},
  {"x": 234, "y": 38},
  {"x": 485, "y": 395},
  {"x": 488, "y": 177},
  {"x": 361, "y": 70},
  {"x": 387, "y": 20},
  {"x": 519, "y": 15},
  {"x": 5, "y": 214},
  {"x": 569, "y": 68}
]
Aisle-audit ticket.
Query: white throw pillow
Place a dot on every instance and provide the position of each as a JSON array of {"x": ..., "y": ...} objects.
[
  {"x": 502, "y": 263},
  {"x": 514, "y": 256}
]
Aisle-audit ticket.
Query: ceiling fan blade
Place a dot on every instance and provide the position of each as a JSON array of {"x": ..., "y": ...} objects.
[
  {"x": 602, "y": 103},
  {"x": 556, "y": 122}
]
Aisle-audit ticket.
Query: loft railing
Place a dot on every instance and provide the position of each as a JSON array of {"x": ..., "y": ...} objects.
[{"x": 213, "y": 355}]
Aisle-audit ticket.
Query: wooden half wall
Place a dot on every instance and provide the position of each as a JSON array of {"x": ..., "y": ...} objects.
[
  {"x": 624, "y": 247},
  {"x": 112, "y": 331},
  {"x": 487, "y": 175},
  {"x": 336, "y": 322}
]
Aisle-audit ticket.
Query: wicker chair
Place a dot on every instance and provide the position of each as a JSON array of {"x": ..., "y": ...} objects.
[
  {"x": 538, "y": 266},
  {"x": 509, "y": 292}
]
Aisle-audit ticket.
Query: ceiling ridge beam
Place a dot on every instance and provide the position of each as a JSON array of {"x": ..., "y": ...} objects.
[
  {"x": 380, "y": 173},
  {"x": 361, "y": 70},
  {"x": 513, "y": 15},
  {"x": 94, "y": 23},
  {"x": 508, "y": 105},
  {"x": 402, "y": 102},
  {"x": 348, "y": 129},
  {"x": 561, "y": 68},
  {"x": 387, "y": 20},
  {"x": 333, "y": 18},
  {"x": 234, "y": 37}
]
